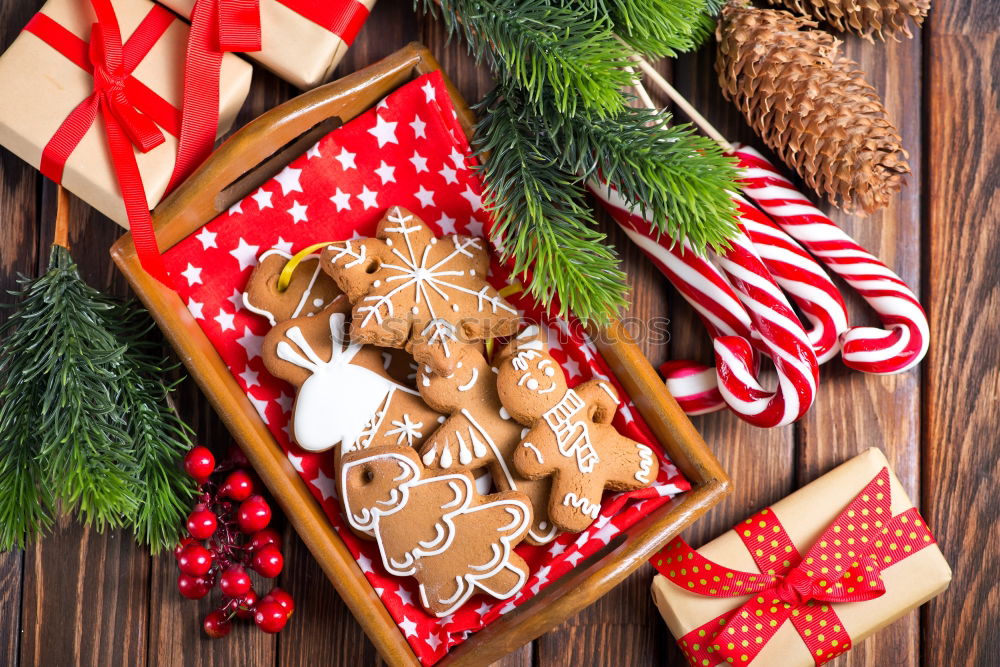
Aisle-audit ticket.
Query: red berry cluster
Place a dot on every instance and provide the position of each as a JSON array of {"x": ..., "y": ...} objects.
[{"x": 227, "y": 534}]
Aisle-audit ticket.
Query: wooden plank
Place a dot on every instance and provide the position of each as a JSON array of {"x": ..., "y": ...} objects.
[{"x": 962, "y": 373}]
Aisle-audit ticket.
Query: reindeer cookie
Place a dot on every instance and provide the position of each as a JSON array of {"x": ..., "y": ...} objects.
[
  {"x": 438, "y": 529},
  {"x": 479, "y": 433},
  {"x": 309, "y": 291},
  {"x": 345, "y": 393},
  {"x": 570, "y": 436},
  {"x": 415, "y": 291}
]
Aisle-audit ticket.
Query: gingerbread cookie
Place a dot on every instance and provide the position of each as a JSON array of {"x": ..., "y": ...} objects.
[
  {"x": 413, "y": 290},
  {"x": 570, "y": 436},
  {"x": 438, "y": 529},
  {"x": 309, "y": 291},
  {"x": 345, "y": 393},
  {"x": 479, "y": 433}
]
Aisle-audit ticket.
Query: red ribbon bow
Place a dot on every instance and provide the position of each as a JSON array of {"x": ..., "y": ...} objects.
[
  {"x": 843, "y": 565},
  {"x": 117, "y": 98}
]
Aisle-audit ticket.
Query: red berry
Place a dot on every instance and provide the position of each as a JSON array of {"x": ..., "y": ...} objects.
[
  {"x": 216, "y": 625},
  {"x": 268, "y": 562},
  {"x": 201, "y": 523},
  {"x": 193, "y": 588},
  {"x": 196, "y": 560},
  {"x": 182, "y": 545},
  {"x": 234, "y": 582},
  {"x": 270, "y": 616},
  {"x": 237, "y": 486},
  {"x": 262, "y": 538},
  {"x": 247, "y": 605},
  {"x": 199, "y": 463},
  {"x": 254, "y": 514},
  {"x": 282, "y": 597}
]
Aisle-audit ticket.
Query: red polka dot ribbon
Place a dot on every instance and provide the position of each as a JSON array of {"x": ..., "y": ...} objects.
[{"x": 844, "y": 565}]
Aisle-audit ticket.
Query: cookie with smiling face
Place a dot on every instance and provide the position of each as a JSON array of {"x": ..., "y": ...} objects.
[
  {"x": 479, "y": 433},
  {"x": 570, "y": 438}
]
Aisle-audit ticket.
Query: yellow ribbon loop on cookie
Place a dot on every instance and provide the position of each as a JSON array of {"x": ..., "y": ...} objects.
[{"x": 285, "y": 277}]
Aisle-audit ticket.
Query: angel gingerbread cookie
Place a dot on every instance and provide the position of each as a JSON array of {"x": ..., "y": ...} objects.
[
  {"x": 413, "y": 290},
  {"x": 345, "y": 393},
  {"x": 309, "y": 291},
  {"x": 437, "y": 529},
  {"x": 570, "y": 436},
  {"x": 480, "y": 433}
]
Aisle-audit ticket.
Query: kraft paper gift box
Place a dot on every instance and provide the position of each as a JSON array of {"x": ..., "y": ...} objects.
[
  {"x": 301, "y": 40},
  {"x": 805, "y": 515},
  {"x": 42, "y": 86}
]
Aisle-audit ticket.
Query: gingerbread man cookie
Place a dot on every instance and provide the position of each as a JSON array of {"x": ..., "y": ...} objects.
[
  {"x": 570, "y": 436},
  {"x": 345, "y": 393},
  {"x": 413, "y": 290},
  {"x": 437, "y": 529},
  {"x": 309, "y": 291},
  {"x": 480, "y": 433}
]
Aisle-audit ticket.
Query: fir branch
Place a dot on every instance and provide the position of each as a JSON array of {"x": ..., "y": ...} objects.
[
  {"x": 157, "y": 435},
  {"x": 541, "y": 218},
  {"x": 658, "y": 28},
  {"x": 543, "y": 47},
  {"x": 26, "y": 500}
]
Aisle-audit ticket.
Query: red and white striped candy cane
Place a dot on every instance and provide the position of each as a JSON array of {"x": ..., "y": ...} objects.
[
  {"x": 798, "y": 274},
  {"x": 904, "y": 342}
]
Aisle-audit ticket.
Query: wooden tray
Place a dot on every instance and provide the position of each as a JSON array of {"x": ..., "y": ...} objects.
[{"x": 250, "y": 157}]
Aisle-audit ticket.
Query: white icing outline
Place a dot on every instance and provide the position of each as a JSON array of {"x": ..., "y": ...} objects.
[
  {"x": 645, "y": 463},
  {"x": 298, "y": 309},
  {"x": 583, "y": 504},
  {"x": 560, "y": 419},
  {"x": 538, "y": 454}
]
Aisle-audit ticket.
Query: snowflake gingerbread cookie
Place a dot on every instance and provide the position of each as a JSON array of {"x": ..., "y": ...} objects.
[
  {"x": 570, "y": 437},
  {"x": 438, "y": 529},
  {"x": 345, "y": 392},
  {"x": 413, "y": 290},
  {"x": 480, "y": 433}
]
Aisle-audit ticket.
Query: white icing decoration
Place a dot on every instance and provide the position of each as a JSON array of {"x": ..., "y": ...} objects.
[
  {"x": 572, "y": 434},
  {"x": 429, "y": 456},
  {"x": 305, "y": 295},
  {"x": 407, "y": 430},
  {"x": 441, "y": 419},
  {"x": 446, "y": 458},
  {"x": 538, "y": 454},
  {"x": 504, "y": 415},
  {"x": 368, "y": 520},
  {"x": 426, "y": 381},
  {"x": 645, "y": 464},
  {"x": 609, "y": 391},
  {"x": 582, "y": 504},
  {"x": 377, "y": 283},
  {"x": 472, "y": 381},
  {"x": 454, "y": 307},
  {"x": 317, "y": 302}
]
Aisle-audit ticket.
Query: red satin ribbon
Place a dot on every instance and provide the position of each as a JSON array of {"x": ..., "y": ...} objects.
[
  {"x": 843, "y": 565},
  {"x": 130, "y": 111}
]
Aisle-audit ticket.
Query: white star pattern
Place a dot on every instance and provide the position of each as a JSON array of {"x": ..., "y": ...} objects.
[
  {"x": 296, "y": 461},
  {"x": 408, "y": 626},
  {"x": 250, "y": 377},
  {"x": 346, "y": 159},
  {"x": 474, "y": 227},
  {"x": 384, "y": 131},
  {"x": 206, "y": 238},
  {"x": 250, "y": 342},
  {"x": 446, "y": 223},
  {"x": 429, "y": 92},
  {"x": 236, "y": 298},
  {"x": 313, "y": 152},
  {"x": 328, "y": 490},
  {"x": 425, "y": 196},
  {"x": 364, "y": 562},
  {"x": 483, "y": 608},
  {"x": 261, "y": 406},
  {"x": 225, "y": 320},
  {"x": 236, "y": 208},
  {"x": 263, "y": 199},
  {"x": 342, "y": 200},
  {"x": 405, "y": 596},
  {"x": 288, "y": 179},
  {"x": 458, "y": 159},
  {"x": 433, "y": 640},
  {"x": 574, "y": 558},
  {"x": 192, "y": 274},
  {"x": 419, "y": 162},
  {"x": 557, "y": 549},
  {"x": 606, "y": 531},
  {"x": 475, "y": 200},
  {"x": 245, "y": 254},
  {"x": 368, "y": 198},
  {"x": 196, "y": 309},
  {"x": 283, "y": 245},
  {"x": 285, "y": 401},
  {"x": 386, "y": 173},
  {"x": 571, "y": 367},
  {"x": 419, "y": 128},
  {"x": 448, "y": 174},
  {"x": 507, "y": 608},
  {"x": 298, "y": 212}
]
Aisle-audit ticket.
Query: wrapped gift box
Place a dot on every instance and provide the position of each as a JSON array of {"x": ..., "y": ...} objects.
[
  {"x": 301, "y": 40},
  {"x": 42, "y": 86},
  {"x": 916, "y": 571}
]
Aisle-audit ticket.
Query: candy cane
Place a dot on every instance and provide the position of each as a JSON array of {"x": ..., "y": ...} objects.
[
  {"x": 801, "y": 278},
  {"x": 867, "y": 349}
]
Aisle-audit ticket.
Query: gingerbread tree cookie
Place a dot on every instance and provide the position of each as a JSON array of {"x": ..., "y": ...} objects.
[
  {"x": 345, "y": 393},
  {"x": 570, "y": 436},
  {"x": 480, "y": 433},
  {"x": 413, "y": 290},
  {"x": 309, "y": 291},
  {"x": 437, "y": 529}
]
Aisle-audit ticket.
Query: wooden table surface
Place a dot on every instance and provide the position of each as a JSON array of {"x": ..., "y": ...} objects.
[{"x": 79, "y": 597}]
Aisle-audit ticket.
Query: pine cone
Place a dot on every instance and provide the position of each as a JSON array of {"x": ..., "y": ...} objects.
[
  {"x": 811, "y": 105},
  {"x": 864, "y": 17}
]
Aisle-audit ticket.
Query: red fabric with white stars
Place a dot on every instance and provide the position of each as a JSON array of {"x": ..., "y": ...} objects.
[{"x": 410, "y": 151}]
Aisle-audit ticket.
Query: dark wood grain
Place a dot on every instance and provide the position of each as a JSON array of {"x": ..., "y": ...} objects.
[{"x": 80, "y": 597}]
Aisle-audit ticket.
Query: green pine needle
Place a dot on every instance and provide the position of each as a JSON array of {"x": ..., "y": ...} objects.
[
  {"x": 543, "y": 47},
  {"x": 659, "y": 28}
]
